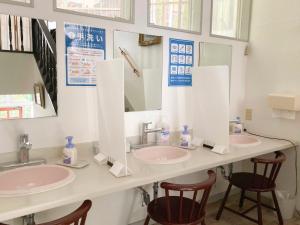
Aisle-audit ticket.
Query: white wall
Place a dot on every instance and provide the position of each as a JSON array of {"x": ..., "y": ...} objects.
[
  {"x": 77, "y": 105},
  {"x": 273, "y": 66}
]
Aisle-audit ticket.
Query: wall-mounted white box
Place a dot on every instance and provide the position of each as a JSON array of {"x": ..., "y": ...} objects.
[{"x": 288, "y": 102}]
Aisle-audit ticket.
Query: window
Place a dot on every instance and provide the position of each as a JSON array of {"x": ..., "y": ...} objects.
[
  {"x": 176, "y": 14},
  {"x": 231, "y": 18},
  {"x": 18, "y": 2},
  {"x": 115, "y": 9}
]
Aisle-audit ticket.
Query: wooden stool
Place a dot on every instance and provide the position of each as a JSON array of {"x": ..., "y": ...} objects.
[
  {"x": 172, "y": 210},
  {"x": 255, "y": 182},
  {"x": 77, "y": 217}
]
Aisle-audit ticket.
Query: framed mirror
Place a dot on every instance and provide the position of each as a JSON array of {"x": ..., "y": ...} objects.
[
  {"x": 214, "y": 54},
  {"x": 28, "y": 75},
  {"x": 143, "y": 56}
]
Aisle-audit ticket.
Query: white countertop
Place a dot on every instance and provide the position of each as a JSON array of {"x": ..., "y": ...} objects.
[{"x": 95, "y": 180}]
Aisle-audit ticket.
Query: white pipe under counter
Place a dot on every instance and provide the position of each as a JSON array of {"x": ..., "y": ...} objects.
[{"x": 95, "y": 180}]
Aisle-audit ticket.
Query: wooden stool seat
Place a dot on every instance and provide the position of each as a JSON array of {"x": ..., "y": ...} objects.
[
  {"x": 180, "y": 210},
  {"x": 255, "y": 182},
  {"x": 158, "y": 210},
  {"x": 251, "y": 182}
]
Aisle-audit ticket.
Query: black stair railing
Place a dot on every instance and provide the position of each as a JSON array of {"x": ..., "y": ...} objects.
[
  {"x": 10, "y": 33},
  {"x": 22, "y": 34},
  {"x": 44, "y": 50}
]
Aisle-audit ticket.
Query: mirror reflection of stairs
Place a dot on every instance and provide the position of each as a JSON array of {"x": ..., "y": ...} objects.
[
  {"x": 128, "y": 105},
  {"x": 32, "y": 36}
]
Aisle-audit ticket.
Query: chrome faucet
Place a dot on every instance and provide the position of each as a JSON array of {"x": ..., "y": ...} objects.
[
  {"x": 146, "y": 131},
  {"x": 23, "y": 159},
  {"x": 24, "y": 146}
]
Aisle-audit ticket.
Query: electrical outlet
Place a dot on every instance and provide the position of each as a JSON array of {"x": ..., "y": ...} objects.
[{"x": 248, "y": 114}]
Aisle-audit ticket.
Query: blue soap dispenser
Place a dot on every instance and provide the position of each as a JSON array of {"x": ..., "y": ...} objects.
[
  {"x": 238, "y": 127},
  {"x": 69, "y": 152},
  {"x": 185, "y": 139},
  {"x": 165, "y": 136}
]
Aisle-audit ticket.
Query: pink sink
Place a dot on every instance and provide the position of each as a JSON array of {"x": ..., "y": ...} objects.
[
  {"x": 34, "y": 179},
  {"x": 161, "y": 155},
  {"x": 242, "y": 140}
]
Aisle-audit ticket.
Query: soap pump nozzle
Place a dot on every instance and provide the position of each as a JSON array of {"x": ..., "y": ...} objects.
[{"x": 69, "y": 142}]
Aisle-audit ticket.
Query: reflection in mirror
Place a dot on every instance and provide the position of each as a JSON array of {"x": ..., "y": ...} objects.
[
  {"x": 143, "y": 55},
  {"x": 28, "y": 85},
  {"x": 212, "y": 54}
]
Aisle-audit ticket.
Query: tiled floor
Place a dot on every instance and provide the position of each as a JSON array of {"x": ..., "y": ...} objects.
[{"x": 228, "y": 218}]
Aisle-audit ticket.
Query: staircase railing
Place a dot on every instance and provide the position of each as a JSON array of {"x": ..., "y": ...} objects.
[{"x": 44, "y": 50}]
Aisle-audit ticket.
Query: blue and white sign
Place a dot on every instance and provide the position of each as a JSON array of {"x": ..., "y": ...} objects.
[
  {"x": 181, "y": 62},
  {"x": 85, "y": 46}
]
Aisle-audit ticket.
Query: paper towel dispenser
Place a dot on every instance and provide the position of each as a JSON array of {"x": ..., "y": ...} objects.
[{"x": 287, "y": 102}]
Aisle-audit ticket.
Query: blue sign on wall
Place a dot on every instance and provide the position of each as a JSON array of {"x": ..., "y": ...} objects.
[
  {"x": 85, "y": 46},
  {"x": 181, "y": 62}
]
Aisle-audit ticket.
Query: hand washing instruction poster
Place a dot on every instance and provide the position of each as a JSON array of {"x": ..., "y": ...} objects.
[
  {"x": 181, "y": 61},
  {"x": 85, "y": 46}
]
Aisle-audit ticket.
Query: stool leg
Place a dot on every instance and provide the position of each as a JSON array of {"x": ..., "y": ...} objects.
[
  {"x": 242, "y": 199},
  {"x": 223, "y": 202},
  {"x": 203, "y": 222},
  {"x": 277, "y": 208},
  {"x": 259, "y": 213},
  {"x": 147, "y": 220}
]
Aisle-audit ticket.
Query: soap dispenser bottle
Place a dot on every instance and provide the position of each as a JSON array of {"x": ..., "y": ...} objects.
[
  {"x": 238, "y": 127},
  {"x": 69, "y": 152},
  {"x": 165, "y": 136},
  {"x": 185, "y": 139}
]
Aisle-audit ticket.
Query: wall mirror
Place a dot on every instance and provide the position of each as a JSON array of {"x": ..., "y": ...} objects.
[
  {"x": 28, "y": 85},
  {"x": 143, "y": 55},
  {"x": 214, "y": 54}
]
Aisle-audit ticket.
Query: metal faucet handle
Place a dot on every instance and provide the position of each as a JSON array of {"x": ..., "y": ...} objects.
[
  {"x": 24, "y": 137},
  {"x": 24, "y": 141},
  {"x": 146, "y": 124}
]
